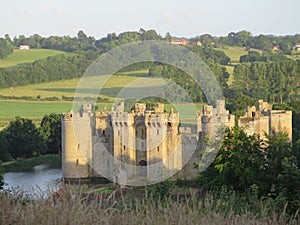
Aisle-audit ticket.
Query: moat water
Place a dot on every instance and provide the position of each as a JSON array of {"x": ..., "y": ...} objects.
[{"x": 42, "y": 181}]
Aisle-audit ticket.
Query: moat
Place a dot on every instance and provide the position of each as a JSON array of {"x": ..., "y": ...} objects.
[{"x": 42, "y": 179}]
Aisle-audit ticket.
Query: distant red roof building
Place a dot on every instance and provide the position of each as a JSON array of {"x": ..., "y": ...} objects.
[
  {"x": 276, "y": 48},
  {"x": 185, "y": 42},
  {"x": 179, "y": 42},
  {"x": 198, "y": 43}
]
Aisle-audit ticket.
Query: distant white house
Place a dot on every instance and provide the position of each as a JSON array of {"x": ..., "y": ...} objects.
[
  {"x": 297, "y": 47},
  {"x": 24, "y": 47}
]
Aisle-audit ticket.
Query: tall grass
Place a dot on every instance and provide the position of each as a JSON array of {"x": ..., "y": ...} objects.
[{"x": 117, "y": 208}]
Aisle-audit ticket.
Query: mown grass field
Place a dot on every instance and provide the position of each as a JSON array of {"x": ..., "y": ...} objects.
[
  {"x": 234, "y": 53},
  {"x": 231, "y": 76},
  {"x": 20, "y": 57},
  {"x": 34, "y": 110},
  {"x": 68, "y": 87}
]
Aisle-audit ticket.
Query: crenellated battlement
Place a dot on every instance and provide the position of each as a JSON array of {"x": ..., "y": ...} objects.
[
  {"x": 70, "y": 116},
  {"x": 264, "y": 120},
  {"x": 144, "y": 136}
]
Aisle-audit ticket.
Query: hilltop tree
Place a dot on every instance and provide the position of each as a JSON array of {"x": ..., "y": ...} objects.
[
  {"x": 5, "y": 48},
  {"x": 24, "y": 139},
  {"x": 242, "y": 37}
]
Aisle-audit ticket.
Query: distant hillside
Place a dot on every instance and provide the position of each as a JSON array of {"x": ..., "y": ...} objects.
[{"x": 21, "y": 57}]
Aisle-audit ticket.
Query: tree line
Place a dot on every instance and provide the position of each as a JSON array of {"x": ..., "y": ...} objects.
[
  {"x": 23, "y": 139},
  {"x": 272, "y": 81},
  {"x": 61, "y": 67},
  {"x": 82, "y": 42},
  {"x": 246, "y": 39}
]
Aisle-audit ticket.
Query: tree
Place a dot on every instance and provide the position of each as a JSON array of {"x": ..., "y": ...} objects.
[
  {"x": 5, "y": 48},
  {"x": 260, "y": 42},
  {"x": 239, "y": 104},
  {"x": 51, "y": 132},
  {"x": 24, "y": 139},
  {"x": 4, "y": 154},
  {"x": 237, "y": 164},
  {"x": 243, "y": 161},
  {"x": 1, "y": 177},
  {"x": 81, "y": 35},
  {"x": 252, "y": 56},
  {"x": 207, "y": 40},
  {"x": 8, "y": 39},
  {"x": 242, "y": 37},
  {"x": 168, "y": 36}
]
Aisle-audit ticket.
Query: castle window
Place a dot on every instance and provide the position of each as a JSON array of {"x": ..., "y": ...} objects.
[
  {"x": 158, "y": 148},
  {"x": 103, "y": 132},
  {"x": 118, "y": 132},
  {"x": 253, "y": 114},
  {"x": 77, "y": 162},
  {"x": 124, "y": 147},
  {"x": 78, "y": 146},
  {"x": 157, "y": 131}
]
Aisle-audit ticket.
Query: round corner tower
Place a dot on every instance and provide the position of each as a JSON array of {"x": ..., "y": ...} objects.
[{"x": 76, "y": 153}]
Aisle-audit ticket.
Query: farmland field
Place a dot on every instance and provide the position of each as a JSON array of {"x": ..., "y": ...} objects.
[
  {"x": 234, "y": 53},
  {"x": 68, "y": 87},
  {"x": 20, "y": 57},
  {"x": 34, "y": 110},
  {"x": 230, "y": 71},
  {"x": 135, "y": 82}
]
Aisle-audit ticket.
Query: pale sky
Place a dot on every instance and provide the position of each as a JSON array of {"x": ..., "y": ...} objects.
[{"x": 186, "y": 18}]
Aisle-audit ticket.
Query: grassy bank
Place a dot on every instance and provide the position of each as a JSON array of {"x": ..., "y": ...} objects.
[
  {"x": 23, "y": 165},
  {"x": 127, "y": 207}
]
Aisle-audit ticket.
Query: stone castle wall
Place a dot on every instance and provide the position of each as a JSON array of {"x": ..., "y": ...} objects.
[
  {"x": 265, "y": 121},
  {"x": 110, "y": 140}
]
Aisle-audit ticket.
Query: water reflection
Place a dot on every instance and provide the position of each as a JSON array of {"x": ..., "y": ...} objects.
[{"x": 40, "y": 181}]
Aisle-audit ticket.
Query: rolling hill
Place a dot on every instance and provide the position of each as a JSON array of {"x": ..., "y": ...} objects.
[{"x": 21, "y": 57}]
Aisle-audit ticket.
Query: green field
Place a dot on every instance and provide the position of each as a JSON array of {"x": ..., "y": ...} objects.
[
  {"x": 34, "y": 110},
  {"x": 134, "y": 82},
  {"x": 20, "y": 57},
  {"x": 234, "y": 53},
  {"x": 68, "y": 87},
  {"x": 231, "y": 75}
]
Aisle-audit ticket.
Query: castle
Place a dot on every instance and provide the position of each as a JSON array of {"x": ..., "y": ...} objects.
[
  {"x": 265, "y": 121},
  {"x": 140, "y": 144}
]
